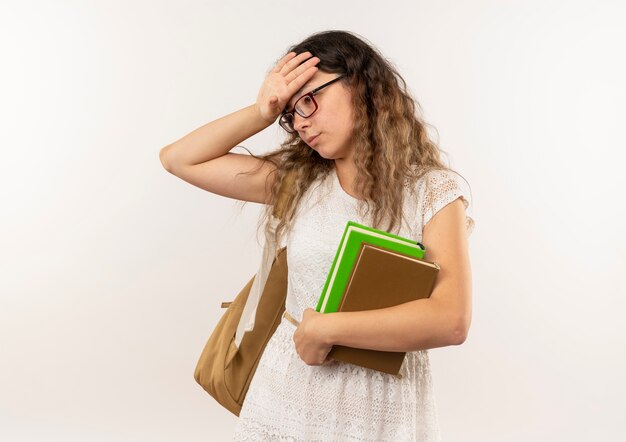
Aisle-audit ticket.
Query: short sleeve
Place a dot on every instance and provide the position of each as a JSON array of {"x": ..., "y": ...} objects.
[{"x": 440, "y": 188}]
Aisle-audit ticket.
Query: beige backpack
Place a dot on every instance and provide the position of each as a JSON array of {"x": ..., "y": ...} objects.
[{"x": 225, "y": 370}]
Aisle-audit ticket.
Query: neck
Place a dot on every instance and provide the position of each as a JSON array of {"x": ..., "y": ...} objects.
[{"x": 346, "y": 173}]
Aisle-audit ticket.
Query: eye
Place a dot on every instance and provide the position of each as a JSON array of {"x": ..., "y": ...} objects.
[{"x": 307, "y": 99}]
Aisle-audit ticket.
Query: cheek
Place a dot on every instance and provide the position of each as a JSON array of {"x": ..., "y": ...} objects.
[
  {"x": 343, "y": 115},
  {"x": 347, "y": 116},
  {"x": 347, "y": 123}
]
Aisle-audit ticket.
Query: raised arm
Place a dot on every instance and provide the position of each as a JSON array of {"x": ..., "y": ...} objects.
[{"x": 203, "y": 157}]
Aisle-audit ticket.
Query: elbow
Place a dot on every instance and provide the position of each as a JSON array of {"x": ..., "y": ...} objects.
[
  {"x": 163, "y": 160},
  {"x": 459, "y": 332},
  {"x": 458, "y": 338}
]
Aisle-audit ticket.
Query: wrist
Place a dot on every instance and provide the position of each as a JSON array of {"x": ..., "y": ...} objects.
[
  {"x": 259, "y": 116},
  {"x": 329, "y": 328}
]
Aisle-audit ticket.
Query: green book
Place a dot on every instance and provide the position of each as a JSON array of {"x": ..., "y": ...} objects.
[{"x": 353, "y": 236}]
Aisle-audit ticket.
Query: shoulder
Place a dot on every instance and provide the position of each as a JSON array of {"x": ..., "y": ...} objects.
[
  {"x": 436, "y": 189},
  {"x": 440, "y": 179},
  {"x": 437, "y": 184}
]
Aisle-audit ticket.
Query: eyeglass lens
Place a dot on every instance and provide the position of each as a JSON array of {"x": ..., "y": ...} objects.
[
  {"x": 286, "y": 121},
  {"x": 305, "y": 107}
]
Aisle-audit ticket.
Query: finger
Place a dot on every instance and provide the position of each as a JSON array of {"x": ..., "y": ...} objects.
[
  {"x": 282, "y": 61},
  {"x": 302, "y": 68},
  {"x": 294, "y": 62},
  {"x": 301, "y": 80}
]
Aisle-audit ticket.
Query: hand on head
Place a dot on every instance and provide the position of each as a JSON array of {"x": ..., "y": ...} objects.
[{"x": 283, "y": 81}]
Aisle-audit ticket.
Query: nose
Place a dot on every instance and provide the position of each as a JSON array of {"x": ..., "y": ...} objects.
[{"x": 299, "y": 122}]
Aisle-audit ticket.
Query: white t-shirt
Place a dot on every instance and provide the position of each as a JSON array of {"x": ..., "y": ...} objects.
[{"x": 290, "y": 400}]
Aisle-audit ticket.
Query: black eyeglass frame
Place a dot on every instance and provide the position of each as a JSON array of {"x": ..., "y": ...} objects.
[{"x": 283, "y": 122}]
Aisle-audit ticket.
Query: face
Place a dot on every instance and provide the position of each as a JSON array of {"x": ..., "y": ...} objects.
[{"x": 332, "y": 123}]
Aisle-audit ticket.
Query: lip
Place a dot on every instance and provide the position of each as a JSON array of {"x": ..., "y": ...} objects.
[{"x": 313, "y": 138}]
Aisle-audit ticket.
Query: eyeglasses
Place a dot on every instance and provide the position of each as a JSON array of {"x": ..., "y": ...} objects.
[{"x": 305, "y": 106}]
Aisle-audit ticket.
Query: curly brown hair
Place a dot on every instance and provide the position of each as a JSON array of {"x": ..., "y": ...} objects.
[{"x": 392, "y": 146}]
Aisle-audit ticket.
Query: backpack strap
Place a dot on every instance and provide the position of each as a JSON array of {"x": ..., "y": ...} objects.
[{"x": 248, "y": 314}]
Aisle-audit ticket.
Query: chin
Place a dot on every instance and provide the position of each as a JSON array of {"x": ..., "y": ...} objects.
[{"x": 324, "y": 155}]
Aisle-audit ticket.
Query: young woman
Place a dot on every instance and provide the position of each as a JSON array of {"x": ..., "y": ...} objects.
[{"x": 359, "y": 152}]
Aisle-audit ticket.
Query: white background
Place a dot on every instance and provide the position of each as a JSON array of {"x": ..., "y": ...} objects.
[{"x": 113, "y": 270}]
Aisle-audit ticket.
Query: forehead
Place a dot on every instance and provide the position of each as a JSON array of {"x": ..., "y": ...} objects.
[{"x": 318, "y": 79}]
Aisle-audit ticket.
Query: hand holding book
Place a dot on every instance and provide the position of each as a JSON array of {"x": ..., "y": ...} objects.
[{"x": 311, "y": 344}]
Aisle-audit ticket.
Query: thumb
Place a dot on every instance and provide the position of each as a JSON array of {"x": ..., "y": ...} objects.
[{"x": 275, "y": 108}]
